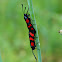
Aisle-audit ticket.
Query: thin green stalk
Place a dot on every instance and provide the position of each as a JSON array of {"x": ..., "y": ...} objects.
[
  {"x": 35, "y": 26},
  {"x": 0, "y": 58}
]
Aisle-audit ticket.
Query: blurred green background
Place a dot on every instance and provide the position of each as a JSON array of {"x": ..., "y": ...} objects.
[{"x": 14, "y": 39}]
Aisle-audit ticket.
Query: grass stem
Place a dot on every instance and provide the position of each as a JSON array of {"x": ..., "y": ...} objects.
[
  {"x": 35, "y": 26},
  {"x": 0, "y": 58}
]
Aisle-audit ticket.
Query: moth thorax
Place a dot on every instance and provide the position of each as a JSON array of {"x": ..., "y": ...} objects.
[{"x": 25, "y": 17}]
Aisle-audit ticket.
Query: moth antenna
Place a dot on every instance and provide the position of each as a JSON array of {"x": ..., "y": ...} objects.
[
  {"x": 22, "y": 8},
  {"x": 27, "y": 10}
]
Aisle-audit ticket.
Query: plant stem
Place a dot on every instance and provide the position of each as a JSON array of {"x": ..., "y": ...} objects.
[{"x": 35, "y": 26}]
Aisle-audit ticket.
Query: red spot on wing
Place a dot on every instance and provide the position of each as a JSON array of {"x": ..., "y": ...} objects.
[
  {"x": 31, "y": 38},
  {"x": 29, "y": 25},
  {"x": 27, "y": 21},
  {"x": 32, "y": 44},
  {"x": 31, "y": 34},
  {"x": 32, "y": 28}
]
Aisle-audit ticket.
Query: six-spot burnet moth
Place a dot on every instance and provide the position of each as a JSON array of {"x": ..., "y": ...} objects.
[{"x": 31, "y": 29}]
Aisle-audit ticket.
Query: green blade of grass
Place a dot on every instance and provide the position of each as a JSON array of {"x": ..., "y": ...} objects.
[
  {"x": 35, "y": 26},
  {"x": 0, "y": 58}
]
